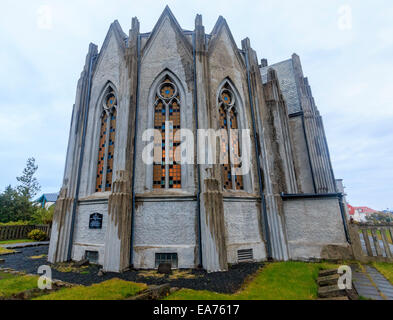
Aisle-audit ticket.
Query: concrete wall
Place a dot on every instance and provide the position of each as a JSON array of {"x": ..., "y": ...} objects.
[
  {"x": 243, "y": 228},
  {"x": 300, "y": 156},
  {"x": 89, "y": 239},
  {"x": 165, "y": 226},
  {"x": 311, "y": 225}
]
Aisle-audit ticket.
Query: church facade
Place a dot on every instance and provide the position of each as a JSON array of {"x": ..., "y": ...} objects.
[{"x": 120, "y": 211}]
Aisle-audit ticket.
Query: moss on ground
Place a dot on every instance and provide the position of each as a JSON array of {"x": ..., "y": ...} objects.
[
  {"x": 38, "y": 257},
  {"x": 183, "y": 274},
  {"x": 69, "y": 267},
  {"x": 176, "y": 274},
  {"x": 5, "y": 251}
]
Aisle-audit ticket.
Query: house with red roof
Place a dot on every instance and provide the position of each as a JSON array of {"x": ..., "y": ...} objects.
[{"x": 360, "y": 213}]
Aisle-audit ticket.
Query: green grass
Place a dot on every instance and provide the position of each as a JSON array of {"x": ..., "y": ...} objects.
[
  {"x": 11, "y": 284},
  {"x": 114, "y": 289},
  {"x": 275, "y": 281},
  {"x": 15, "y": 241},
  {"x": 385, "y": 268}
]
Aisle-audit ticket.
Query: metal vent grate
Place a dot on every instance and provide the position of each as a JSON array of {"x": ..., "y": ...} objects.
[
  {"x": 92, "y": 256},
  {"x": 245, "y": 255},
  {"x": 166, "y": 258}
]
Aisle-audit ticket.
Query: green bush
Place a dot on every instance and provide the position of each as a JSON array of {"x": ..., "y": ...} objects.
[
  {"x": 43, "y": 215},
  {"x": 15, "y": 223},
  {"x": 37, "y": 235}
]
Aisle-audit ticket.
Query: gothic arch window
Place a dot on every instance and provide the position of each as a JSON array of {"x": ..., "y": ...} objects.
[
  {"x": 228, "y": 116},
  {"x": 106, "y": 147},
  {"x": 167, "y": 174}
]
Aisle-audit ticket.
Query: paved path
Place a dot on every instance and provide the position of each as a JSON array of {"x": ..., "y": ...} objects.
[
  {"x": 25, "y": 244},
  {"x": 371, "y": 284},
  {"x": 384, "y": 286}
]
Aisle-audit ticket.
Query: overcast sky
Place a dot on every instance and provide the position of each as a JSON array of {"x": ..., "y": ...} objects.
[{"x": 346, "y": 49}]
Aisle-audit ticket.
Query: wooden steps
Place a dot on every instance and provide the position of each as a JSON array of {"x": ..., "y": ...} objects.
[
  {"x": 328, "y": 286},
  {"x": 331, "y": 292},
  {"x": 328, "y": 280},
  {"x": 325, "y": 273}
]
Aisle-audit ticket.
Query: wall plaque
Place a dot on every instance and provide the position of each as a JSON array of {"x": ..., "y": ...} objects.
[{"x": 95, "y": 221}]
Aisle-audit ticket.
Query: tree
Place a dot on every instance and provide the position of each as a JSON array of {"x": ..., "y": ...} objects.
[
  {"x": 43, "y": 215},
  {"x": 29, "y": 185},
  {"x": 15, "y": 204},
  {"x": 380, "y": 217},
  {"x": 14, "y": 207}
]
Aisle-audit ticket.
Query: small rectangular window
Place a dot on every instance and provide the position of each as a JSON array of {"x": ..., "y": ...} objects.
[
  {"x": 245, "y": 255},
  {"x": 166, "y": 258},
  {"x": 92, "y": 256}
]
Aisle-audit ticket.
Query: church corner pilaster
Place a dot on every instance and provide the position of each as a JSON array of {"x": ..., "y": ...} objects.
[
  {"x": 64, "y": 215},
  {"x": 118, "y": 244}
]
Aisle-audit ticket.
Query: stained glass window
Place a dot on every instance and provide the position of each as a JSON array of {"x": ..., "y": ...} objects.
[
  {"x": 229, "y": 120},
  {"x": 101, "y": 152},
  {"x": 106, "y": 144},
  {"x": 111, "y": 150},
  {"x": 167, "y": 109}
]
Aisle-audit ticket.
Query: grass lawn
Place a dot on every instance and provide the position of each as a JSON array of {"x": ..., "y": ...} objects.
[
  {"x": 11, "y": 284},
  {"x": 385, "y": 268},
  {"x": 114, "y": 289},
  {"x": 275, "y": 281},
  {"x": 15, "y": 241}
]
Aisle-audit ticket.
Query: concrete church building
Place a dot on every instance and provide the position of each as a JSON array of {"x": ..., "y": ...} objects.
[{"x": 120, "y": 212}]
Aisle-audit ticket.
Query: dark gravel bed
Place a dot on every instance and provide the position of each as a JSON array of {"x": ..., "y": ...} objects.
[{"x": 223, "y": 282}]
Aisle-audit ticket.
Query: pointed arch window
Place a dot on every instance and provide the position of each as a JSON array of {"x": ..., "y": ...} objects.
[
  {"x": 229, "y": 120},
  {"x": 106, "y": 146},
  {"x": 167, "y": 174}
]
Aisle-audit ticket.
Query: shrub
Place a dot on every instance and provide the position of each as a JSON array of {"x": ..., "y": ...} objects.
[
  {"x": 37, "y": 235},
  {"x": 15, "y": 223},
  {"x": 43, "y": 215}
]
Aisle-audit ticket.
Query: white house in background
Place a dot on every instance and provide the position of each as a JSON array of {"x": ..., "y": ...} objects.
[
  {"x": 47, "y": 199},
  {"x": 360, "y": 214}
]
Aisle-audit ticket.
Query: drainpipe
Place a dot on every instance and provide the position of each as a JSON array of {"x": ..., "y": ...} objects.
[
  {"x": 257, "y": 153},
  {"x": 76, "y": 197},
  {"x": 198, "y": 168},
  {"x": 134, "y": 155},
  {"x": 343, "y": 216}
]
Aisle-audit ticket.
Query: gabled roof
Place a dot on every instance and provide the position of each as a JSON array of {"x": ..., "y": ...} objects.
[
  {"x": 120, "y": 36},
  {"x": 365, "y": 209},
  {"x": 218, "y": 28},
  {"x": 48, "y": 197},
  {"x": 167, "y": 13},
  {"x": 360, "y": 209}
]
